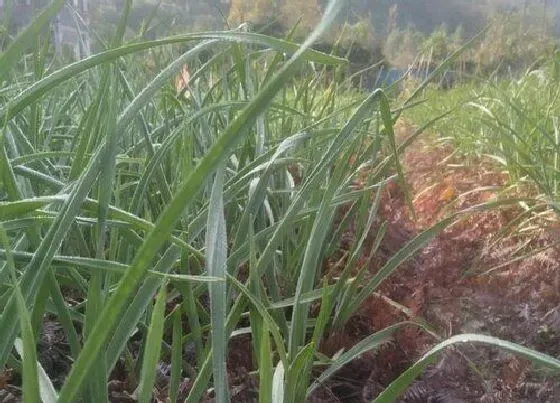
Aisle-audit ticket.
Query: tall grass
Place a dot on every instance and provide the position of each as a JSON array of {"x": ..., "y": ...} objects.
[
  {"x": 512, "y": 120},
  {"x": 221, "y": 205}
]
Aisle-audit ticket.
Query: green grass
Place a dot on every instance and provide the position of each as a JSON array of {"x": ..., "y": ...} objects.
[
  {"x": 118, "y": 191},
  {"x": 514, "y": 121}
]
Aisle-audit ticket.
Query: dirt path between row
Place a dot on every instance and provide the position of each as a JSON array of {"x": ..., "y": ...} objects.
[{"x": 464, "y": 281}]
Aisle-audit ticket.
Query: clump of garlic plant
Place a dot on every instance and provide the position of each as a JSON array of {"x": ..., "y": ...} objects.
[{"x": 146, "y": 205}]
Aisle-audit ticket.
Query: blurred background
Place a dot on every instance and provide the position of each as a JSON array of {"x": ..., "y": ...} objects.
[{"x": 400, "y": 34}]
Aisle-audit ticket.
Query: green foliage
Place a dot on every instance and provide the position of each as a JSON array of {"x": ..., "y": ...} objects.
[
  {"x": 133, "y": 208},
  {"x": 513, "y": 120},
  {"x": 254, "y": 11},
  {"x": 359, "y": 34},
  {"x": 437, "y": 45},
  {"x": 403, "y": 46},
  {"x": 118, "y": 188},
  {"x": 287, "y": 15},
  {"x": 512, "y": 44}
]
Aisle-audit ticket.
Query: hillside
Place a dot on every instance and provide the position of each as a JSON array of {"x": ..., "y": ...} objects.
[{"x": 427, "y": 15}]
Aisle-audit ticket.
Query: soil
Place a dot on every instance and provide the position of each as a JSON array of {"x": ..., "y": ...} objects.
[{"x": 465, "y": 281}]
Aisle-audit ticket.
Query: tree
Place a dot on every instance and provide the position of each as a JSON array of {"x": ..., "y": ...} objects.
[
  {"x": 288, "y": 13},
  {"x": 459, "y": 36},
  {"x": 437, "y": 45},
  {"x": 307, "y": 12},
  {"x": 254, "y": 11},
  {"x": 402, "y": 47},
  {"x": 506, "y": 47},
  {"x": 360, "y": 33}
]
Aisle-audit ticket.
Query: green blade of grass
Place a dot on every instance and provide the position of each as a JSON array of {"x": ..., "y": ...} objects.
[
  {"x": 278, "y": 383},
  {"x": 267, "y": 319},
  {"x": 189, "y": 305},
  {"x": 397, "y": 387},
  {"x": 385, "y": 110},
  {"x": 38, "y": 89},
  {"x": 137, "y": 307},
  {"x": 56, "y": 295},
  {"x": 216, "y": 256},
  {"x": 397, "y": 259},
  {"x": 27, "y": 37},
  {"x": 153, "y": 348},
  {"x": 18, "y": 208},
  {"x": 311, "y": 265},
  {"x": 295, "y": 384},
  {"x": 370, "y": 343},
  {"x": 27, "y": 348},
  {"x": 176, "y": 355},
  {"x": 111, "y": 266},
  {"x": 265, "y": 367}
]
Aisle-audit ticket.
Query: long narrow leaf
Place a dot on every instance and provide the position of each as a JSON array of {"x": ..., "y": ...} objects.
[
  {"x": 397, "y": 387},
  {"x": 153, "y": 349},
  {"x": 216, "y": 251},
  {"x": 27, "y": 37}
]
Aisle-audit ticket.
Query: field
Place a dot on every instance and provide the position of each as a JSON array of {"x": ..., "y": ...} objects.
[{"x": 259, "y": 230}]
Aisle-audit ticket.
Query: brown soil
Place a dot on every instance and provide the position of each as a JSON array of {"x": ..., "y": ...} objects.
[{"x": 462, "y": 282}]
